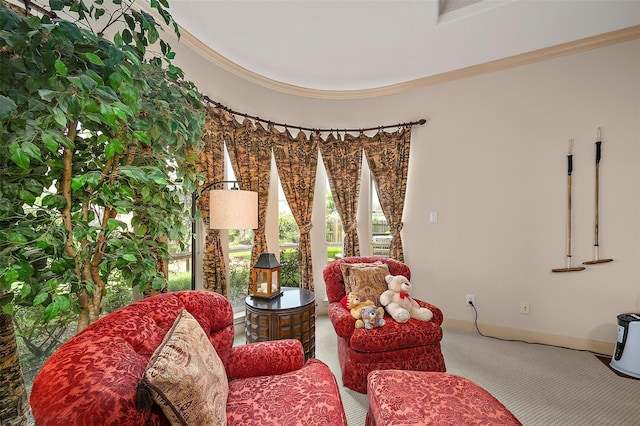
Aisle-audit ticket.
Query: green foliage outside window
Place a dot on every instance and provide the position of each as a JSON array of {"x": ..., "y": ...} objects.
[{"x": 289, "y": 268}]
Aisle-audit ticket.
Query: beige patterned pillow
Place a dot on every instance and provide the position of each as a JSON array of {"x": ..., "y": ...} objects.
[
  {"x": 186, "y": 377},
  {"x": 366, "y": 280}
]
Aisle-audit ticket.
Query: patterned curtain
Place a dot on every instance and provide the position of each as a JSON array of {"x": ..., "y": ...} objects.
[
  {"x": 343, "y": 161},
  {"x": 214, "y": 269},
  {"x": 388, "y": 158},
  {"x": 249, "y": 149},
  {"x": 297, "y": 161}
]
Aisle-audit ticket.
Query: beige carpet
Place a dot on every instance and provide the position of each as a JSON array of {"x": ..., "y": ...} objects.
[{"x": 541, "y": 385}]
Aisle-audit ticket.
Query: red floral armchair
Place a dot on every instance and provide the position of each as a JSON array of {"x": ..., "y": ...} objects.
[
  {"x": 414, "y": 345},
  {"x": 92, "y": 378}
]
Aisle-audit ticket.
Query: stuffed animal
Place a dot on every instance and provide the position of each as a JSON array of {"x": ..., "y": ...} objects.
[
  {"x": 372, "y": 317},
  {"x": 352, "y": 302},
  {"x": 399, "y": 304}
]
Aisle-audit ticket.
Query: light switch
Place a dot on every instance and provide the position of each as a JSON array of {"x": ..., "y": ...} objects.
[{"x": 433, "y": 217}]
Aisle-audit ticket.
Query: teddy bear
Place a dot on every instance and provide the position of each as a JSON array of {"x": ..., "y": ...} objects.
[
  {"x": 372, "y": 317},
  {"x": 352, "y": 302},
  {"x": 399, "y": 304}
]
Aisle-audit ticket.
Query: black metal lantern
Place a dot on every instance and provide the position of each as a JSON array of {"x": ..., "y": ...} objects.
[{"x": 265, "y": 277}]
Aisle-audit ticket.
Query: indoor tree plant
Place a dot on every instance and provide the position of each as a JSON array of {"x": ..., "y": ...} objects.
[{"x": 92, "y": 129}]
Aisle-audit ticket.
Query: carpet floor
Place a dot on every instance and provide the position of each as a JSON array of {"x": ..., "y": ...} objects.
[{"x": 541, "y": 385}]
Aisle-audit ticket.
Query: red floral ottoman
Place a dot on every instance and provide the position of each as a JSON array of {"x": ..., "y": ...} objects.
[{"x": 400, "y": 397}]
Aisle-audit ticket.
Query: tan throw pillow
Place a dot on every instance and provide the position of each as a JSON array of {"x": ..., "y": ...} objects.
[
  {"x": 366, "y": 280},
  {"x": 186, "y": 377}
]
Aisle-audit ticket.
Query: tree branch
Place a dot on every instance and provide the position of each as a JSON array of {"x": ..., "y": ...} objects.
[{"x": 66, "y": 193}]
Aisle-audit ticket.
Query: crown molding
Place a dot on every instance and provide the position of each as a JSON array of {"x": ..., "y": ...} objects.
[{"x": 618, "y": 36}]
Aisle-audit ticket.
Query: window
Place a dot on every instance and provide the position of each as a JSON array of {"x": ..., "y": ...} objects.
[
  {"x": 288, "y": 239},
  {"x": 180, "y": 259},
  {"x": 380, "y": 231},
  {"x": 334, "y": 231},
  {"x": 240, "y": 242}
]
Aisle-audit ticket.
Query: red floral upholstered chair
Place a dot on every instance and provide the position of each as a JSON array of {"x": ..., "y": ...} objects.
[
  {"x": 414, "y": 345},
  {"x": 92, "y": 379}
]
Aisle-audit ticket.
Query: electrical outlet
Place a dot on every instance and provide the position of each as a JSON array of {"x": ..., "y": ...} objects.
[
  {"x": 525, "y": 308},
  {"x": 470, "y": 300}
]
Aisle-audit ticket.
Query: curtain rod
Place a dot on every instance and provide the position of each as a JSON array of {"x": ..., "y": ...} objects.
[{"x": 317, "y": 130}]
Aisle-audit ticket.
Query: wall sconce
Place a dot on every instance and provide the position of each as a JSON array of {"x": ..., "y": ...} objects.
[
  {"x": 228, "y": 209},
  {"x": 265, "y": 277}
]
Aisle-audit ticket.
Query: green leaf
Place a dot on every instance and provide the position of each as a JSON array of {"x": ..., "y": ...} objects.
[
  {"x": 128, "y": 192},
  {"x": 25, "y": 291},
  {"x": 49, "y": 142},
  {"x": 129, "y": 93},
  {"x": 132, "y": 56},
  {"x": 54, "y": 200},
  {"x": 60, "y": 67},
  {"x": 40, "y": 299},
  {"x": 56, "y": 4},
  {"x": 126, "y": 35},
  {"x": 93, "y": 179},
  {"x": 109, "y": 150},
  {"x": 153, "y": 35},
  {"x": 141, "y": 230},
  {"x": 75, "y": 80},
  {"x": 27, "y": 197},
  {"x": 114, "y": 224},
  {"x": 94, "y": 59},
  {"x": 141, "y": 136},
  {"x": 129, "y": 257},
  {"x": 78, "y": 182},
  {"x": 17, "y": 238},
  {"x": 63, "y": 302},
  {"x": 88, "y": 82},
  {"x": 57, "y": 267},
  {"x": 158, "y": 283},
  {"x": 119, "y": 113},
  {"x": 47, "y": 95},
  {"x": 107, "y": 92},
  {"x": 7, "y": 106},
  {"x": 161, "y": 180},
  {"x": 31, "y": 150},
  {"x": 19, "y": 157},
  {"x": 134, "y": 173},
  {"x": 108, "y": 115},
  {"x": 70, "y": 29},
  {"x": 50, "y": 312},
  {"x": 11, "y": 276},
  {"x": 59, "y": 116}
]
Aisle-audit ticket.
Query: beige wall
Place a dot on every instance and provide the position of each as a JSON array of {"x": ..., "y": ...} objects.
[{"x": 491, "y": 161}]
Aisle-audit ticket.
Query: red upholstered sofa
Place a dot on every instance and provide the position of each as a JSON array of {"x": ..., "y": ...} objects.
[
  {"x": 414, "y": 345},
  {"x": 92, "y": 378}
]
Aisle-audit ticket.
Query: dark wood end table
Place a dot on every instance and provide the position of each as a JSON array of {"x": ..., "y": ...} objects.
[{"x": 290, "y": 316}]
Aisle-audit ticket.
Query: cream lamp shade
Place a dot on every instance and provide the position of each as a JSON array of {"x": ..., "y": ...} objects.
[{"x": 233, "y": 209}]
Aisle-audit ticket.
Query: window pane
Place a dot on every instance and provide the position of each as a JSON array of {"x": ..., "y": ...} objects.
[
  {"x": 288, "y": 237},
  {"x": 380, "y": 232},
  {"x": 240, "y": 244},
  {"x": 333, "y": 226},
  {"x": 180, "y": 257}
]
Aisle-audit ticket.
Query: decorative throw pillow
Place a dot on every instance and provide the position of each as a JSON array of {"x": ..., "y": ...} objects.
[
  {"x": 186, "y": 377},
  {"x": 366, "y": 280}
]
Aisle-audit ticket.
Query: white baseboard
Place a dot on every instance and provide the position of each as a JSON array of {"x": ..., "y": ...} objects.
[{"x": 605, "y": 348}]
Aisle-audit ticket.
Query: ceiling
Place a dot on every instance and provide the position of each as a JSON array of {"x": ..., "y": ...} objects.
[{"x": 356, "y": 45}]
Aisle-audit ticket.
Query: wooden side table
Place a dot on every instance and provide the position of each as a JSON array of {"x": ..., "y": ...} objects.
[{"x": 290, "y": 316}]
